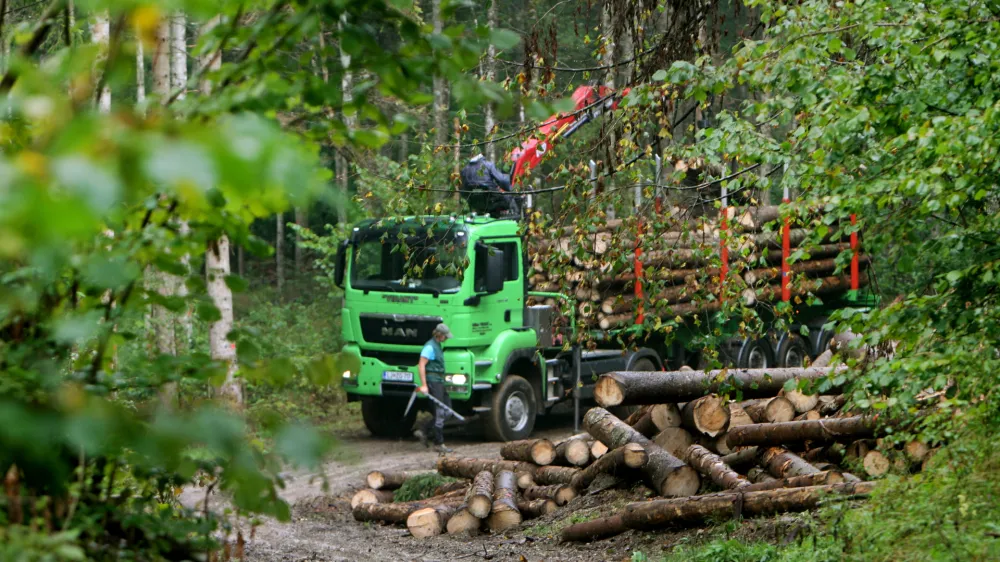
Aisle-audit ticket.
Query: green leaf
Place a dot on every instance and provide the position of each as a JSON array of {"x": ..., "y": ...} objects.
[
  {"x": 236, "y": 283},
  {"x": 660, "y": 75},
  {"x": 834, "y": 45},
  {"x": 207, "y": 312},
  {"x": 504, "y": 39}
]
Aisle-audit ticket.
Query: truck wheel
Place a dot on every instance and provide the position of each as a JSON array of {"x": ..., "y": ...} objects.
[
  {"x": 512, "y": 414},
  {"x": 755, "y": 354},
  {"x": 644, "y": 364},
  {"x": 384, "y": 416},
  {"x": 793, "y": 351}
]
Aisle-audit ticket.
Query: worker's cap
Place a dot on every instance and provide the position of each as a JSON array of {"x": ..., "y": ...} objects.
[{"x": 443, "y": 330}]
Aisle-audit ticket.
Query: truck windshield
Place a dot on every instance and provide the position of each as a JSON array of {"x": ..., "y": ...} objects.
[{"x": 416, "y": 261}]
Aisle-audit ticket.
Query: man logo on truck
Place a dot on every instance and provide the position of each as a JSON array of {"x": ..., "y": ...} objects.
[{"x": 399, "y": 332}]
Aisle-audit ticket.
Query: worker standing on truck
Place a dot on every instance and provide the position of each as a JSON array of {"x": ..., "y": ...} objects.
[
  {"x": 487, "y": 189},
  {"x": 431, "y": 368}
]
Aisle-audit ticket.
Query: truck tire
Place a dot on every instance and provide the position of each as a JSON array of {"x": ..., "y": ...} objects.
[
  {"x": 644, "y": 364},
  {"x": 384, "y": 416},
  {"x": 512, "y": 413},
  {"x": 755, "y": 353},
  {"x": 792, "y": 351}
]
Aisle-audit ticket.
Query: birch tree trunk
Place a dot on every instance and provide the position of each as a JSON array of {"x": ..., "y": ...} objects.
[
  {"x": 440, "y": 86},
  {"x": 300, "y": 221},
  {"x": 489, "y": 75},
  {"x": 347, "y": 90},
  {"x": 217, "y": 268},
  {"x": 178, "y": 82},
  {"x": 100, "y": 33},
  {"x": 279, "y": 250},
  {"x": 140, "y": 73}
]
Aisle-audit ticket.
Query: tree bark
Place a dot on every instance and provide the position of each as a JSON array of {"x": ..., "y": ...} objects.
[
  {"x": 430, "y": 521},
  {"x": 538, "y": 451},
  {"x": 708, "y": 415},
  {"x": 659, "y": 513},
  {"x": 504, "y": 513},
  {"x": 178, "y": 54},
  {"x": 627, "y": 457},
  {"x": 398, "y": 512},
  {"x": 668, "y": 474},
  {"x": 368, "y": 495},
  {"x": 742, "y": 458},
  {"x": 632, "y": 387},
  {"x": 782, "y": 463},
  {"x": 140, "y": 73},
  {"x": 536, "y": 508},
  {"x": 574, "y": 451},
  {"x": 548, "y": 475},
  {"x": 378, "y": 480},
  {"x": 814, "y": 479},
  {"x": 462, "y": 521},
  {"x": 594, "y": 530},
  {"x": 470, "y": 468},
  {"x": 642, "y": 420},
  {"x": 824, "y": 430},
  {"x": 711, "y": 465},
  {"x": 758, "y": 475},
  {"x": 480, "y": 498},
  {"x": 440, "y": 85},
  {"x": 489, "y": 122},
  {"x": 769, "y": 410},
  {"x": 279, "y": 252},
  {"x": 300, "y": 221},
  {"x": 800, "y": 401},
  {"x": 222, "y": 350}
]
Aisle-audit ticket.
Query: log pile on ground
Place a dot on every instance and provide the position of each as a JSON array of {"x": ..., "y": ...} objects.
[
  {"x": 703, "y": 454},
  {"x": 680, "y": 264}
]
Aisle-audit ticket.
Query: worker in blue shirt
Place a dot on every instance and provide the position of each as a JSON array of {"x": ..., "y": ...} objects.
[{"x": 431, "y": 368}]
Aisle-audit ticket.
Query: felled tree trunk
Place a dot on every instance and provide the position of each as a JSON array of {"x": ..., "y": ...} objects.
[
  {"x": 708, "y": 415},
  {"x": 398, "y": 512},
  {"x": 378, "y": 480},
  {"x": 371, "y": 496},
  {"x": 480, "y": 496},
  {"x": 823, "y": 430},
  {"x": 758, "y": 475},
  {"x": 814, "y": 479},
  {"x": 531, "y": 509},
  {"x": 642, "y": 420},
  {"x": 668, "y": 474},
  {"x": 538, "y": 451},
  {"x": 594, "y": 530},
  {"x": 801, "y": 401},
  {"x": 574, "y": 451},
  {"x": 548, "y": 475},
  {"x": 782, "y": 463},
  {"x": 627, "y": 457},
  {"x": 504, "y": 513},
  {"x": 769, "y": 410},
  {"x": 658, "y": 513},
  {"x": 742, "y": 458},
  {"x": 559, "y": 493},
  {"x": 469, "y": 468},
  {"x": 430, "y": 521},
  {"x": 711, "y": 465},
  {"x": 634, "y": 387}
]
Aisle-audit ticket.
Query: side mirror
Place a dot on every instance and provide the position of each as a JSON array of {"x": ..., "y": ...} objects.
[
  {"x": 494, "y": 271},
  {"x": 341, "y": 264}
]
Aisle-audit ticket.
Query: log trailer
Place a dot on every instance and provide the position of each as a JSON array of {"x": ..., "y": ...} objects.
[{"x": 403, "y": 276}]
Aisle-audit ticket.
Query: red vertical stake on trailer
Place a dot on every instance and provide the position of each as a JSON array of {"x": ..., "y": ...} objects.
[
  {"x": 639, "y": 316},
  {"x": 723, "y": 241},
  {"x": 786, "y": 251},
  {"x": 854, "y": 254}
]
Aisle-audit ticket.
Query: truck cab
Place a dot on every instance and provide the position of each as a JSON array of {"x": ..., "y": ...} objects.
[{"x": 401, "y": 277}]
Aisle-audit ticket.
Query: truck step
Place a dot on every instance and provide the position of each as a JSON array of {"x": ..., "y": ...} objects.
[{"x": 484, "y": 363}]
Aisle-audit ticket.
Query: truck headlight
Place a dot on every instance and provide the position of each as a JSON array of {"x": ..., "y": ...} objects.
[
  {"x": 456, "y": 379},
  {"x": 347, "y": 374}
]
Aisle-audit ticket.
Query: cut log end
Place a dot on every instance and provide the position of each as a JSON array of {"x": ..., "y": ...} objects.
[
  {"x": 598, "y": 449},
  {"x": 802, "y": 402},
  {"x": 565, "y": 495},
  {"x": 525, "y": 480},
  {"x": 425, "y": 522},
  {"x": 503, "y": 519},
  {"x": 876, "y": 464},
  {"x": 370, "y": 496},
  {"x": 577, "y": 452},
  {"x": 463, "y": 522},
  {"x": 634, "y": 455},
  {"x": 375, "y": 480},
  {"x": 608, "y": 392},
  {"x": 680, "y": 483},
  {"x": 543, "y": 452}
]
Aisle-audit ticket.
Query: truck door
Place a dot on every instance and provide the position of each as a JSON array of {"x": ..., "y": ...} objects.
[{"x": 503, "y": 310}]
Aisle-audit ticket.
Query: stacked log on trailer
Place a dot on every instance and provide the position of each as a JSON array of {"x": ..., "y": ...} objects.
[
  {"x": 680, "y": 264},
  {"x": 732, "y": 458}
]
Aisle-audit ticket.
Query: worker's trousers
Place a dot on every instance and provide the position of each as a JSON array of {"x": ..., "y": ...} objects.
[{"x": 434, "y": 427}]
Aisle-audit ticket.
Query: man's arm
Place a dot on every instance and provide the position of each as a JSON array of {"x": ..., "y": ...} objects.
[
  {"x": 502, "y": 179},
  {"x": 422, "y": 383}
]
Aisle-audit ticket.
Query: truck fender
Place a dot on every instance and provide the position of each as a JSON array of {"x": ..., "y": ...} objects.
[
  {"x": 524, "y": 356},
  {"x": 643, "y": 353}
]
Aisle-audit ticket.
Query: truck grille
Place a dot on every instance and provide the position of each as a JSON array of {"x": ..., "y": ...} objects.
[
  {"x": 400, "y": 329},
  {"x": 395, "y": 358}
]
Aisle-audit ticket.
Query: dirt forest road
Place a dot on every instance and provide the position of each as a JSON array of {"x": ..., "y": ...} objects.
[{"x": 322, "y": 528}]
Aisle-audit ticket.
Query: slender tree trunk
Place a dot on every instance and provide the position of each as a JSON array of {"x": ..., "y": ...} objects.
[
  {"x": 100, "y": 33},
  {"x": 279, "y": 252},
  {"x": 489, "y": 121},
  {"x": 140, "y": 73},
  {"x": 440, "y": 86},
  {"x": 404, "y": 149},
  {"x": 161, "y": 62},
  {"x": 178, "y": 54},
  {"x": 347, "y": 89},
  {"x": 217, "y": 268},
  {"x": 300, "y": 221}
]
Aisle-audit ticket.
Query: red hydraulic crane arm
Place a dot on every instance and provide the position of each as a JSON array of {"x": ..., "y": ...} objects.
[{"x": 590, "y": 102}]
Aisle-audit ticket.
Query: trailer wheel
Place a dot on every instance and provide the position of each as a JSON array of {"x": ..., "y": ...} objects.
[
  {"x": 793, "y": 351},
  {"x": 755, "y": 354},
  {"x": 512, "y": 414},
  {"x": 384, "y": 416},
  {"x": 644, "y": 364}
]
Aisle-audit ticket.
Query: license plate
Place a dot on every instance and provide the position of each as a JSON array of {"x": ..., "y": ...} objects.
[{"x": 397, "y": 376}]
